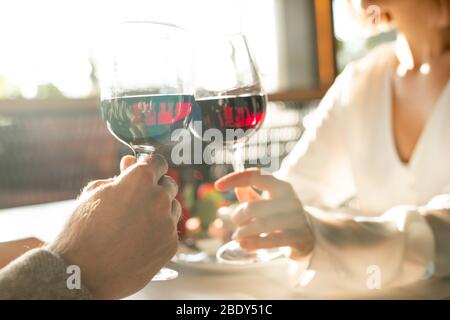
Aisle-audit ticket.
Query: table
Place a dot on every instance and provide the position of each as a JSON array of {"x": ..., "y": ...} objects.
[{"x": 46, "y": 220}]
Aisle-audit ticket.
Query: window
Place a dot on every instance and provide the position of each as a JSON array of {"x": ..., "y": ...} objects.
[{"x": 49, "y": 47}]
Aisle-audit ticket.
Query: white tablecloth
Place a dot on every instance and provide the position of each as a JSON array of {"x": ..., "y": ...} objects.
[{"x": 45, "y": 222}]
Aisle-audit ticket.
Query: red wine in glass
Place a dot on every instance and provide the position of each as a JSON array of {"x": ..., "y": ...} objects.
[
  {"x": 243, "y": 112},
  {"x": 147, "y": 120}
]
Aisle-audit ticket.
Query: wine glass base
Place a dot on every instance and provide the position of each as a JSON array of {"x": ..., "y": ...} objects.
[
  {"x": 232, "y": 253},
  {"x": 165, "y": 274}
]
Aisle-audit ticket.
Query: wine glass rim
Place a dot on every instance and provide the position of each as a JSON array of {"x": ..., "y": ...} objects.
[
  {"x": 154, "y": 22},
  {"x": 235, "y": 34}
]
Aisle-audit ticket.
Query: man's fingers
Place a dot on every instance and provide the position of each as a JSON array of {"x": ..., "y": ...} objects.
[
  {"x": 127, "y": 161},
  {"x": 149, "y": 169},
  {"x": 176, "y": 211},
  {"x": 97, "y": 183},
  {"x": 247, "y": 194},
  {"x": 169, "y": 185},
  {"x": 157, "y": 165},
  {"x": 250, "y": 211},
  {"x": 254, "y": 178}
]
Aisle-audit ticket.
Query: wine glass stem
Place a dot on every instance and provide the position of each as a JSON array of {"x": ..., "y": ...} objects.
[
  {"x": 238, "y": 160},
  {"x": 143, "y": 152}
]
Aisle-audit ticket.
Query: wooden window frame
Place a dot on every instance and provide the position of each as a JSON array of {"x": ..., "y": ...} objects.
[{"x": 326, "y": 57}]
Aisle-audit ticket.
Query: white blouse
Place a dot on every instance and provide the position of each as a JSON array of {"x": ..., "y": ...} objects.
[{"x": 348, "y": 152}]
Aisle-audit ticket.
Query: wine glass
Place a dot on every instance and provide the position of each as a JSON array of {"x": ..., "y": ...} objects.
[
  {"x": 230, "y": 98},
  {"x": 147, "y": 88}
]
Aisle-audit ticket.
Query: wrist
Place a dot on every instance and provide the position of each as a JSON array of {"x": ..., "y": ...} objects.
[
  {"x": 88, "y": 277},
  {"x": 303, "y": 250}
]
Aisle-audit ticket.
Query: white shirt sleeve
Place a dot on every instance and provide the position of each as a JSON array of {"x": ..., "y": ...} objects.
[
  {"x": 405, "y": 244},
  {"x": 318, "y": 167},
  {"x": 357, "y": 254},
  {"x": 437, "y": 214}
]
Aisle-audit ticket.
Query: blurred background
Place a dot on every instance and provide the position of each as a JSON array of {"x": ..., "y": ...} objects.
[{"x": 52, "y": 138}]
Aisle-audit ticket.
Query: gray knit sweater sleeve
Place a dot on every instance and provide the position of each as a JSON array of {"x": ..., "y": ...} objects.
[{"x": 38, "y": 274}]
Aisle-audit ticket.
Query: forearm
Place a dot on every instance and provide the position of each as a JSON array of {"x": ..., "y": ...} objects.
[
  {"x": 437, "y": 215},
  {"x": 38, "y": 274},
  {"x": 398, "y": 243}
]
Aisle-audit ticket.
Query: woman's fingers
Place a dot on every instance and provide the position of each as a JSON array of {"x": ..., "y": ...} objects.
[
  {"x": 268, "y": 224},
  {"x": 276, "y": 222},
  {"x": 255, "y": 178},
  {"x": 247, "y": 194},
  {"x": 250, "y": 211},
  {"x": 273, "y": 240},
  {"x": 299, "y": 249},
  {"x": 126, "y": 162}
]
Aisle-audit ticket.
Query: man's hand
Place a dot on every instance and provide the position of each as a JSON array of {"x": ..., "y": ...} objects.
[
  {"x": 124, "y": 230},
  {"x": 279, "y": 216}
]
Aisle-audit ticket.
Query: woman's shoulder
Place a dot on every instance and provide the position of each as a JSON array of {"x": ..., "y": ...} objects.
[
  {"x": 364, "y": 76},
  {"x": 376, "y": 62}
]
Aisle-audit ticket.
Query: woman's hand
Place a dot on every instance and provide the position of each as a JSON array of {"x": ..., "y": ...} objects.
[{"x": 275, "y": 220}]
